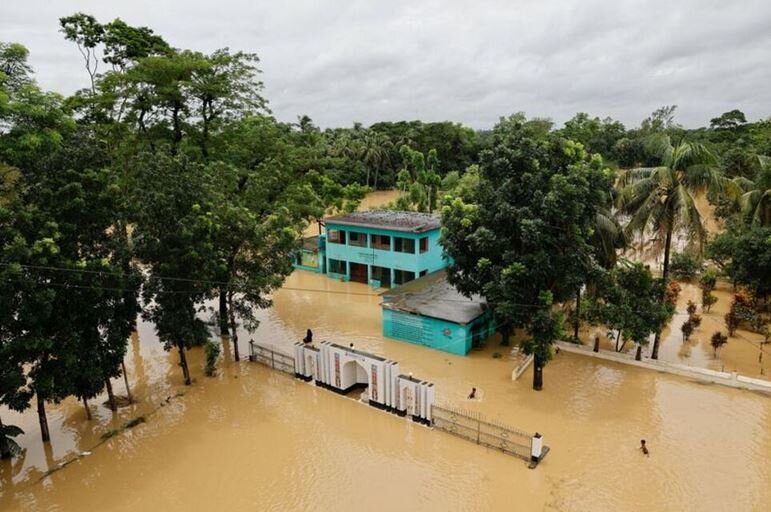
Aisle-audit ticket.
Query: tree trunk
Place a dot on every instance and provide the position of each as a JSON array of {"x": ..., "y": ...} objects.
[
  {"x": 183, "y": 363},
  {"x": 234, "y": 329},
  {"x": 88, "y": 411},
  {"x": 664, "y": 279},
  {"x": 5, "y": 448},
  {"x": 537, "y": 374},
  {"x": 596, "y": 344},
  {"x": 41, "y": 416},
  {"x": 578, "y": 313},
  {"x": 638, "y": 354},
  {"x": 505, "y": 335},
  {"x": 110, "y": 395},
  {"x": 126, "y": 382},
  {"x": 618, "y": 337},
  {"x": 223, "y": 312}
]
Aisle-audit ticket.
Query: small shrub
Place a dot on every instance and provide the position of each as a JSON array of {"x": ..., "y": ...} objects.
[
  {"x": 673, "y": 292},
  {"x": 707, "y": 300},
  {"x": 695, "y": 319},
  {"x": 684, "y": 265},
  {"x": 687, "y": 329},
  {"x": 691, "y": 309},
  {"x": 212, "y": 354},
  {"x": 708, "y": 280},
  {"x": 731, "y": 322},
  {"x": 718, "y": 340}
]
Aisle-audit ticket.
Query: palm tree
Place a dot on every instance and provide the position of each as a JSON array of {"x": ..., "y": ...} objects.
[
  {"x": 607, "y": 237},
  {"x": 755, "y": 203},
  {"x": 375, "y": 153},
  {"x": 659, "y": 200}
]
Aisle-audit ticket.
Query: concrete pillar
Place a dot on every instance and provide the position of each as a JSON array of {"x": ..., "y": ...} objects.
[
  {"x": 393, "y": 275},
  {"x": 536, "y": 447}
]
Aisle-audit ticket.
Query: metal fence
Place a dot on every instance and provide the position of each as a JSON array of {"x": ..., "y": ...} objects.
[
  {"x": 472, "y": 427},
  {"x": 273, "y": 358}
]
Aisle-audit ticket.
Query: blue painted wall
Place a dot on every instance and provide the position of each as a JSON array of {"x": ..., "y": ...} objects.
[
  {"x": 429, "y": 261},
  {"x": 434, "y": 333}
]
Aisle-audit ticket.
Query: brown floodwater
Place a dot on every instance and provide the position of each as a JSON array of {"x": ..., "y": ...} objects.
[{"x": 254, "y": 439}]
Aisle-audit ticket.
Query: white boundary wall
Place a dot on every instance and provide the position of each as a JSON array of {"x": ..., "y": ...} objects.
[
  {"x": 731, "y": 379},
  {"x": 341, "y": 369}
]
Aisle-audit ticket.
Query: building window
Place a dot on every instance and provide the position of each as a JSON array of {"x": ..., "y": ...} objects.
[
  {"x": 406, "y": 245},
  {"x": 336, "y": 266},
  {"x": 423, "y": 272},
  {"x": 381, "y": 274},
  {"x": 382, "y": 242},
  {"x": 424, "y": 244},
  {"x": 403, "y": 276},
  {"x": 357, "y": 239},
  {"x": 336, "y": 236}
]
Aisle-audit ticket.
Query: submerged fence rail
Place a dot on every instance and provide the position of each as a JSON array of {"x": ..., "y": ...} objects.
[
  {"x": 407, "y": 398},
  {"x": 472, "y": 427},
  {"x": 270, "y": 357}
]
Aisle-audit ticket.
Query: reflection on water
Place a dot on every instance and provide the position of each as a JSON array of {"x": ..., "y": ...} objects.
[{"x": 254, "y": 439}]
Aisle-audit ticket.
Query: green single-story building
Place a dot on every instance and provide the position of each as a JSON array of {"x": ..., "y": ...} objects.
[{"x": 429, "y": 311}]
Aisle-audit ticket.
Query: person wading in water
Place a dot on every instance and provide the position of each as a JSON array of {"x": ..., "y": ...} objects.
[
  {"x": 308, "y": 337},
  {"x": 643, "y": 448}
]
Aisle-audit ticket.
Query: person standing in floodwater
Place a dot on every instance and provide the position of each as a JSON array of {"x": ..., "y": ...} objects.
[
  {"x": 643, "y": 448},
  {"x": 473, "y": 393},
  {"x": 308, "y": 337}
]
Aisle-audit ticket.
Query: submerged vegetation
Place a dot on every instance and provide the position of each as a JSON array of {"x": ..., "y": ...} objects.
[{"x": 167, "y": 183}]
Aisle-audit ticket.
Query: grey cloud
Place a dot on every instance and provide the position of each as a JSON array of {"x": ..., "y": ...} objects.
[{"x": 341, "y": 61}]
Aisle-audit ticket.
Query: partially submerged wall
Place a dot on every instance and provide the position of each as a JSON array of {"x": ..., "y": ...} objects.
[{"x": 731, "y": 379}]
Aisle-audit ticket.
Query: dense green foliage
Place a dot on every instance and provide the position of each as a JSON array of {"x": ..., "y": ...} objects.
[
  {"x": 169, "y": 158},
  {"x": 684, "y": 265},
  {"x": 523, "y": 239},
  {"x": 627, "y": 299}
]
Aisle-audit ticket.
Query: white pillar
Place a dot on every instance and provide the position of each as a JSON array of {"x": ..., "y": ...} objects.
[{"x": 536, "y": 447}]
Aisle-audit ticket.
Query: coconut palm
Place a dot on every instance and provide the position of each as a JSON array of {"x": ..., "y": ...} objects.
[
  {"x": 606, "y": 239},
  {"x": 659, "y": 200},
  {"x": 755, "y": 202},
  {"x": 375, "y": 153}
]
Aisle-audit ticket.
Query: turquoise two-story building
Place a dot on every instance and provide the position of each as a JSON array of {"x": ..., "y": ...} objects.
[
  {"x": 400, "y": 251},
  {"x": 383, "y": 248}
]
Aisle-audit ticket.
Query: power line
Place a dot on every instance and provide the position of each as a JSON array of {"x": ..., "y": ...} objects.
[{"x": 227, "y": 285}]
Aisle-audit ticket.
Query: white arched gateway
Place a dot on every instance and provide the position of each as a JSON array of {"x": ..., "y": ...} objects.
[{"x": 342, "y": 369}]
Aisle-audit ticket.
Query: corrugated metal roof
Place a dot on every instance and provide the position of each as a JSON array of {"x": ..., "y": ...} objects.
[
  {"x": 414, "y": 222},
  {"x": 434, "y": 297}
]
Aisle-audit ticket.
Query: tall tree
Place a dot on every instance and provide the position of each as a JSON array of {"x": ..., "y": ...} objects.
[
  {"x": 627, "y": 299},
  {"x": 175, "y": 236},
  {"x": 659, "y": 200},
  {"x": 755, "y": 202},
  {"x": 523, "y": 243}
]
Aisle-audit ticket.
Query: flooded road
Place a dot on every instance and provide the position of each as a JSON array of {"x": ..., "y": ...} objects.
[{"x": 255, "y": 439}]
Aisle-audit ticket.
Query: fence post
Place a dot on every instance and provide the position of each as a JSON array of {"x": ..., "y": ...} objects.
[
  {"x": 536, "y": 447},
  {"x": 272, "y": 359},
  {"x": 479, "y": 428}
]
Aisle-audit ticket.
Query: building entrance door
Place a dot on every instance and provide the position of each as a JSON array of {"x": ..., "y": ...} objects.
[{"x": 359, "y": 273}]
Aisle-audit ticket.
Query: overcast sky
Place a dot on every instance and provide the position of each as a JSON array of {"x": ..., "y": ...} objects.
[{"x": 341, "y": 61}]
